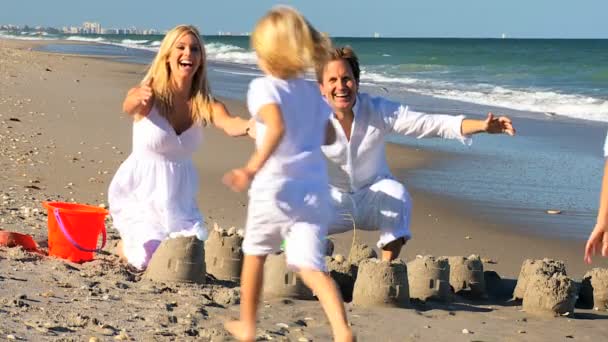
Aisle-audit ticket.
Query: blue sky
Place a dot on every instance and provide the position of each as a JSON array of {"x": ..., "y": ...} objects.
[{"x": 401, "y": 18}]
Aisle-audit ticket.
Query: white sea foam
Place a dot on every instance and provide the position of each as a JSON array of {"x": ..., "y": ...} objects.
[
  {"x": 6, "y": 35},
  {"x": 230, "y": 53},
  {"x": 134, "y": 41},
  {"x": 86, "y": 39},
  {"x": 534, "y": 100}
]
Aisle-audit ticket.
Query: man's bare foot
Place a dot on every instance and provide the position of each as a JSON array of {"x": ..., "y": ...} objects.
[{"x": 240, "y": 330}]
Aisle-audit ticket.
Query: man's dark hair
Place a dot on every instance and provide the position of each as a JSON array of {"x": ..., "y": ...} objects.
[{"x": 345, "y": 53}]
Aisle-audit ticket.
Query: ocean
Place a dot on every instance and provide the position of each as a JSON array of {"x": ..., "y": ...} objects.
[{"x": 553, "y": 89}]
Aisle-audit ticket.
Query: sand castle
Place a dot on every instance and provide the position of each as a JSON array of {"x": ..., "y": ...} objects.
[
  {"x": 343, "y": 273},
  {"x": 179, "y": 259},
  {"x": 552, "y": 295},
  {"x": 224, "y": 254},
  {"x": 545, "y": 289},
  {"x": 281, "y": 282},
  {"x": 594, "y": 289},
  {"x": 530, "y": 268},
  {"x": 381, "y": 283},
  {"x": 360, "y": 252},
  {"x": 429, "y": 278},
  {"x": 466, "y": 276}
]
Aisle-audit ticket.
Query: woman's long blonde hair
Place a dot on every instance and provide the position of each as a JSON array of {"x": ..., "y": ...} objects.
[
  {"x": 287, "y": 44},
  {"x": 160, "y": 73}
]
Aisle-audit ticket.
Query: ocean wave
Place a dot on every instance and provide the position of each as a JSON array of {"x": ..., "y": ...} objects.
[
  {"x": 86, "y": 39},
  {"x": 230, "y": 53},
  {"x": 7, "y": 35},
  {"x": 545, "y": 101},
  {"x": 134, "y": 41}
]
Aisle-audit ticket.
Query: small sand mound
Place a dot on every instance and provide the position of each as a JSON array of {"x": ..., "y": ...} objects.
[
  {"x": 594, "y": 289},
  {"x": 343, "y": 273},
  {"x": 281, "y": 282},
  {"x": 223, "y": 254},
  {"x": 180, "y": 259},
  {"x": 429, "y": 278},
  {"x": 552, "y": 295},
  {"x": 548, "y": 267},
  {"x": 381, "y": 283},
  {"x": 360, "y": 252},
  {"x": 466, "y": 276}
]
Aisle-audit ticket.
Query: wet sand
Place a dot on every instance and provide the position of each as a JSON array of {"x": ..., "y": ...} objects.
[{"x": 62, "y": 136}]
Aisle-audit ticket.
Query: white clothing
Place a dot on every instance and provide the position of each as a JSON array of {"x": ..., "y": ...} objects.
[
  {"x": 305, "y": 116},
  {"x": 385, "y": 206},
  {"x": 289, "y": 196},
  {"x": 299, "y": 215},
  {"x": 153, "y": 194},
  {"x": 606, "y": 146},
  {"x": 357, "y": 167}
]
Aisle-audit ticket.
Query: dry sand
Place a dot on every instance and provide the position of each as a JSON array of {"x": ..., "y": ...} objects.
[{"x": 62, "y": 136}]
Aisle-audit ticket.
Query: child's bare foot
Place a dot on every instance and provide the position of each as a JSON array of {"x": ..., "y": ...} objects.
[{"x": 242, "y": 331}]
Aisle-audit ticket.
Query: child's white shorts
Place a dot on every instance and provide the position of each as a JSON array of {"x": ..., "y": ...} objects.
[{"x": 297, "y": 214}]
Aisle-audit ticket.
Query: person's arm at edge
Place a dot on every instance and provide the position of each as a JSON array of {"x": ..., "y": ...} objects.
[
  {"x": 234, "y": 126},
  {"x": 599, "y": 235}
]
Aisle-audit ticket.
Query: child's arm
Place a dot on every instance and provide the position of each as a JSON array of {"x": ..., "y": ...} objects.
[
  {"x": 234, "y": 126},
  {"x": 139, "y": 100},
  {"x": 599, "y": 235},
  {"x": 239, "y": 179},
  {"x": 491, "y": 124}
]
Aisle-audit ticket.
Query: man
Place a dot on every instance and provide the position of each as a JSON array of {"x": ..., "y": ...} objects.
[{"x": 361, "y": 182}]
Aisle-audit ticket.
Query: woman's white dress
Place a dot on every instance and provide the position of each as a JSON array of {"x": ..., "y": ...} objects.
[{"x": 153, "y": 194}]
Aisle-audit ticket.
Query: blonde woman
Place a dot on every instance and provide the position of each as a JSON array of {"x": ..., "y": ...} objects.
[
  {"x": 289, "y": 196},
  {"x": 153, "y": 194}
]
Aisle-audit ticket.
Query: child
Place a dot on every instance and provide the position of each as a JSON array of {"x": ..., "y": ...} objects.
[
  {"x": 289, "y": 195},
  {"x": 153, "y": 194},
  {"x": 598, "y": 239}
]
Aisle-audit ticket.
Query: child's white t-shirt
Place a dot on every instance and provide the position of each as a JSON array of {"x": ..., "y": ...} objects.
[{"x": 305, "y": 116}]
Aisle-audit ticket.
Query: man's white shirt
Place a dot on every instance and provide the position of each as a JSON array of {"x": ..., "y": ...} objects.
[{"x": 362, "y": 161}]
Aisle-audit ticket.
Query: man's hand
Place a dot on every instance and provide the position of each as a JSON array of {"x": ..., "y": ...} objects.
[{"x": 498, "y": 125}]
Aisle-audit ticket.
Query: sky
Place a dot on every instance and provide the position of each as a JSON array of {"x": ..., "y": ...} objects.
[{"x": 389, "y": 18}]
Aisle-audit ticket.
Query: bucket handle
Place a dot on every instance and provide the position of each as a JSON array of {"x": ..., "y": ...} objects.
[{"x": 72, "y": 241}]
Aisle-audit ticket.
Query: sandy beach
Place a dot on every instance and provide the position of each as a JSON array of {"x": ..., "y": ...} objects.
[{"x": 62, "y": 137}]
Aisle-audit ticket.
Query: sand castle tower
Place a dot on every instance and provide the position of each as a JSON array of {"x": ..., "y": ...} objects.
[
  {"x": 550, "y": 295},
  {"x": 280, "y": 282},
  {"x": 530, "y": 267},
  {"x": 343, "y": 273},
  {"x": 360, "y": 252},
  {"x": 381, "y": 283},
  {"x": 594, "y": 289},
  {"x": 429, "y": 278},
  {"x": 179, "y": 259},
  {"x": 466, "y": 276},
  {"x": 223, "y": 253}
]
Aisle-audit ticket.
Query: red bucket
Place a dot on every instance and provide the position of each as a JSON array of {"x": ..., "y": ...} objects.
[{"x": 74, "y": 230}]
